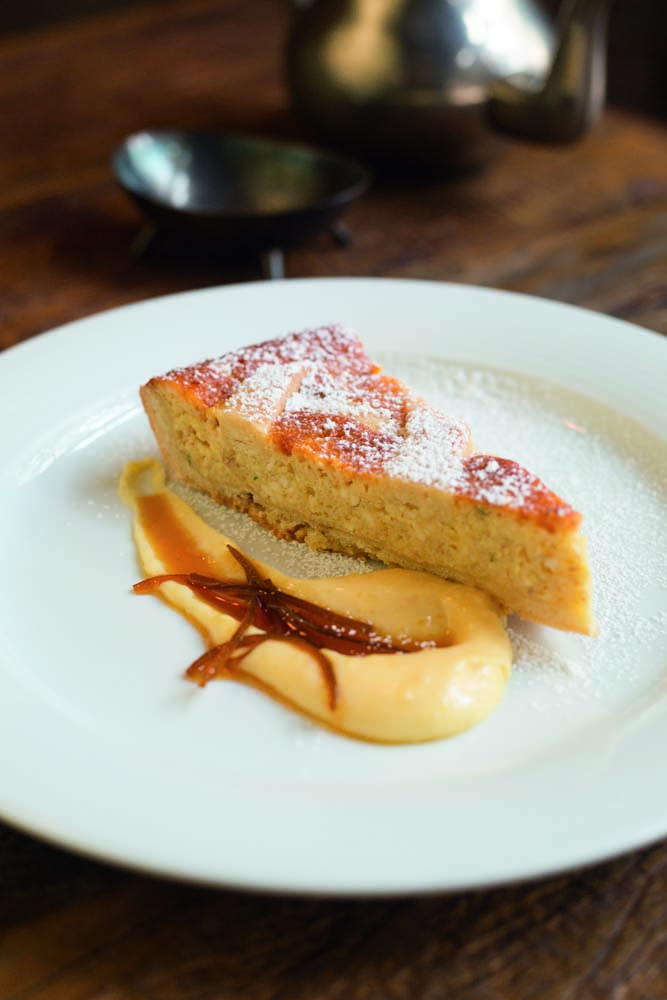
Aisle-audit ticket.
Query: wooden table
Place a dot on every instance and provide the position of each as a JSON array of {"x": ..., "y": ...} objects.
[{"x": 586, "y": 225}]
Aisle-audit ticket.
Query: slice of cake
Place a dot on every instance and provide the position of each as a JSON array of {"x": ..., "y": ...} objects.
[{"x": 309, "y": 437}]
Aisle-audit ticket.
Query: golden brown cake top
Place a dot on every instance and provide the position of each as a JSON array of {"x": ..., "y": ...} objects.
[{"x": 318, "y": 393}]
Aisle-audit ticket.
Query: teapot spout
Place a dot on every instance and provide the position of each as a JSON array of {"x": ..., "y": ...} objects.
[{"x": 571, "y": 99}]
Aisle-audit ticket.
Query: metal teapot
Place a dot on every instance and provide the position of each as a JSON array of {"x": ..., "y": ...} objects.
[{"x": 418, "y": 83}]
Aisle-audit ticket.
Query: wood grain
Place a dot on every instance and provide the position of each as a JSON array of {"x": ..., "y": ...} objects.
[
  {"x": 586, "y": 225},
  {"x": 73, "y": 930}
]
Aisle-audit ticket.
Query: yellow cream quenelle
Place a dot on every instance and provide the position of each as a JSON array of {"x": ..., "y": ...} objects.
[{"x": 448, "y": 686}]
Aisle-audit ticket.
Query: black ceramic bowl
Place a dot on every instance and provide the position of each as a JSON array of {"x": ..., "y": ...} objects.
[{"x": 236, "y": 191}]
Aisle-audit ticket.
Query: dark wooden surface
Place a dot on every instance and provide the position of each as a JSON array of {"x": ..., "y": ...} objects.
[{"x": 586, "y": 225}]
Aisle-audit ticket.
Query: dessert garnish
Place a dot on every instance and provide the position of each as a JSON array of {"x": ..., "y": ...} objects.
[
  {"x": 434, "y": 661},
  {"x": 259, "y": 604}
]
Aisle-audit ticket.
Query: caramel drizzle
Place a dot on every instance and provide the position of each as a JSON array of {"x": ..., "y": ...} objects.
[{"x": 279, "y": 616}]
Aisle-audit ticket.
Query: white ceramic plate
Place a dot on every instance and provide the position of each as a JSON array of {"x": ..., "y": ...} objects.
[{"x": 104, "y": 747}]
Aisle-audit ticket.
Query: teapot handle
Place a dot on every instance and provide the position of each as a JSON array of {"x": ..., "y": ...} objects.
[{"x": 572, "y": 97}]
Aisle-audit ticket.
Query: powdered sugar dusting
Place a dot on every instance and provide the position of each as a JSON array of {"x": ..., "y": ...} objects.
[
  {"x": 565, "y": 689},
  {"x": 334, "y": 349},
  {"x": 432, "y": 449},
  {"x": 318, "y": 392},
  {"x": 582, "y": 450},
  {"x": 530, "y": 652},
  {"x": 262, "y": 397},
  {"x": 294, "y": 558},
  {"x": 615, "y": 472}
]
